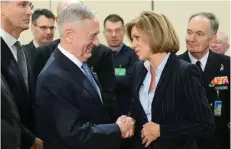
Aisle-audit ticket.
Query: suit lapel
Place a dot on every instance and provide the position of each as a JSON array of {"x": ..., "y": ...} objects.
[
  {"x": 210, "y": 67},
  {"x": 9, "y": 62},
  {"x": 142, "y": 72},
  {"x": 164, "y": 79},
  {"x": 77, "y": 73},
  {"x": 185, "y": 57}
]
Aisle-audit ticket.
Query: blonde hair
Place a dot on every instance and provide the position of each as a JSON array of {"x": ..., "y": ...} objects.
[{"x": 161, "y": 34}]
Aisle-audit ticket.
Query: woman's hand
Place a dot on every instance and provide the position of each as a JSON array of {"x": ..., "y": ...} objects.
[{"x": 149, "y": 133}]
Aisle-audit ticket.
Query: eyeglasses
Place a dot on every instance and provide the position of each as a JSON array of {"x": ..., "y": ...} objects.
[
  {"x": 220, "y": 42},
  {"x": 44, "y": 28},
  {"x": 26, "y": 4}
]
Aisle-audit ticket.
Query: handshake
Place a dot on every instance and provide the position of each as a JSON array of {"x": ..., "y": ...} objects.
[{"x": 126, "y": 125}]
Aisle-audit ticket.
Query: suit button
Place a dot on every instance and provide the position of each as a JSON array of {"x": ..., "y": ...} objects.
[{"x": 211, "y": 104}]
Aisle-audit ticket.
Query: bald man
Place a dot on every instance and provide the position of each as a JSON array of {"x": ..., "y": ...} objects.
[
  {"x": 221, "y": 45},
  {"x": 100, "y": 63}
]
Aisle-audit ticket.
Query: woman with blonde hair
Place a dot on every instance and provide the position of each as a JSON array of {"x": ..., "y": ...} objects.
[{"x": 169, "y": 102}]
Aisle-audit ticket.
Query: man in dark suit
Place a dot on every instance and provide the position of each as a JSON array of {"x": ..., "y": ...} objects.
[
  {"x": 100, "y": 62},
  {"x": 14, "y": 65},
  {"x": 201, "y": 31},
  {"x": 124, "y": 59},
  {"x": 69, "y": 107},
  {"x": 10, "y": 122},
  {"x": 42, "y": 27}
]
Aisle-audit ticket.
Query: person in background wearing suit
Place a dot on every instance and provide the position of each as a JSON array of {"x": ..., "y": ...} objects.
[
  {"x": 169, "y": 102},
  {"x": 15, "y": 18},
  {"x": 124, "y": 59},
  {"x": 100, "y": 62},
  {"x": 215, "y": 69},
  {"x": 69, "y": 107},
  {"x": 221, "y": 44},
  {"x": 42, "y": 27}
]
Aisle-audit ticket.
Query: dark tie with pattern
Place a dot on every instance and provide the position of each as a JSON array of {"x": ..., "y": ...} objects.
[
  {"x": 198, "y": 63},
  {"x": 21, "y": 59}
]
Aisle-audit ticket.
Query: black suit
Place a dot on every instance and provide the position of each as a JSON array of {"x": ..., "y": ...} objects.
[
  {"x": 23, "y": 98},
  {"x": 70, "y": 114},
  {"x": 100, "y": 62},
  {"x": 10, "y": 122},
  {"x": 215, "y": 62},
  {"x": 125, "y": 59},
  {"x": 31, "y": 53},
  {"x": 179, "y": 105},
  {"x": 31, "y": 50}
]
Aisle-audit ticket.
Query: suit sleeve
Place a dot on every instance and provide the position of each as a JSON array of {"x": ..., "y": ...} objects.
[
  {"x": 197, "y": 119},
  {"x": 67, "y": 118},
  {"x": 27, "y": 137}
]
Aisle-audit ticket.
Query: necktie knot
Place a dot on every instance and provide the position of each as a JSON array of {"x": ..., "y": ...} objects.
[
  {"x": 198, "y": 63},
  {"x": 18, "y": 45}
]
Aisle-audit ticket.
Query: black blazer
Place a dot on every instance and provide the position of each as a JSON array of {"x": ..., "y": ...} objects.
[
  {"x": 180, "y": 106},
  {"x": 100, "y": 62},
  {"x": 10, "y": 122},
  {"x": 23, "y": 98},
  {"x": 215, "y": 61},
  {"x": 69, "y": 112},
  {"x": 31, "y": 51}
]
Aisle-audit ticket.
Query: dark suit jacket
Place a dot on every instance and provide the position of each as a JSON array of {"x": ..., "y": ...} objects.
[
  {"x": 180, "y": 106},
  {"x": 125, "y": 58},
  {"x": 31, "y": 50},
  {"x": 10, "y": 122},
  {"x": 220, "y": 140},
  {"x": 31, "y": 53},
  {"x": 100, "y": 62},
  {"x": 23, "y": 98},
  {"x": 69, "y": 112}
]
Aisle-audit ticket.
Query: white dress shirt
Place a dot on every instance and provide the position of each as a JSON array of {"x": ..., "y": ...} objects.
[
  {"x": 78, "y": 63},
  {"x": 203, "y": 60},
  {"x": 145, "y": 97},
  {"x": 10, "y": 41}
]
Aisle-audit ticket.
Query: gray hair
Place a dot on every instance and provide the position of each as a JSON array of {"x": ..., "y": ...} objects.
[
  {"x": 211, "y": 17},
  {"x": 74, "y": 13}
]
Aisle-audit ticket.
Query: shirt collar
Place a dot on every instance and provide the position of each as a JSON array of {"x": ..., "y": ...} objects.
[
  {"x": 118, "y": 50},
  {"x": 35, "y": 44},
  {"x": 9, "y": 39},
  {"x": 160, "y": 68},
  {"x": 203, "y": 60},
  {"x": 71, "y": 57}
]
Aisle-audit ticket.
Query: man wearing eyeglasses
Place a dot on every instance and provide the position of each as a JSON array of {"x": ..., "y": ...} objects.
[
  {"x": 42, "y": 27},
  {"x": 15, "y": 18},
  {"x": 221, "y": 45}
]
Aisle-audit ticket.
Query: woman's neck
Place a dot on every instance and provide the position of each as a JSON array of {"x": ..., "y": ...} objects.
[{"x": 156, "y": 59}]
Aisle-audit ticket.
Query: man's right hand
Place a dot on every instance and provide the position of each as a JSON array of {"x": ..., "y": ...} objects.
[
  {"x": 126, "y": 125},
  {"x": 38, "y": 144}
]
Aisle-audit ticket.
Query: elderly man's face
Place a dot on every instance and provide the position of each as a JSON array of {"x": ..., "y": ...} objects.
[
  {"x": 220, "y": 46},
  {"x": 17, "y": 13},
  {"x": 85, "y": 37},
  {"x": 199, "y": 35}
]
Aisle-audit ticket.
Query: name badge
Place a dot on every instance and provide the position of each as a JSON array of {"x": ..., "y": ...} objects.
[
  {"x": 217, "y": 108},
  {"x": 120, "y": 71}
]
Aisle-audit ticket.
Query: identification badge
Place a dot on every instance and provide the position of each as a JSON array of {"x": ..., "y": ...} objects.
[
  {"x": 120, "y": 71},
  {"x": 217, "y": 108}
]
